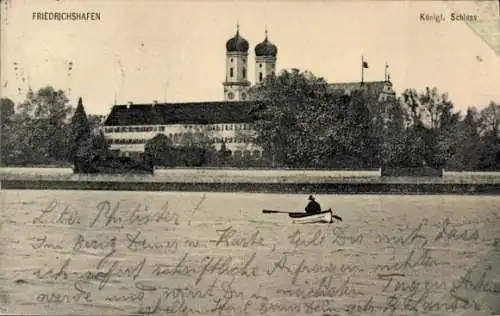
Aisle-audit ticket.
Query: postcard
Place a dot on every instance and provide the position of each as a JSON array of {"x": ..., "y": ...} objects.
[{"x": 250, "y": 157}]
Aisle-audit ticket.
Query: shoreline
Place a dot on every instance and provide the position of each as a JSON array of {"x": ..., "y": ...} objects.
[
  {"x": 261, "y": 187},
  {"x": 253, "y": 181}
]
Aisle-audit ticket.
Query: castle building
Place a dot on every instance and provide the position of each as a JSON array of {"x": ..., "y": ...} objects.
[{"x": 230, "y": 122}]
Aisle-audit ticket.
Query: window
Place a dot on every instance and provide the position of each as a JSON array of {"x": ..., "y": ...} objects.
[
  {"x": 243, "y": 96},
  {"x": 256, "y": 154},
  {"x": 162, "y": 128},
  {"x": 244, "y": 72},
  {"x": 231, "y": 72},
  {"x": 260, "y": 76},
  {"x": 260, "y": 65},
  {"x": 237, "y": 154},
  {"x": 231, "y": 60},
  {"x": 246, "y": 153}
]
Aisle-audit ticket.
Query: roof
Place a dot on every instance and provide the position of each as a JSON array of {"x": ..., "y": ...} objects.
[
  {"x": 182, "y": 113},
  {"x": 237, "y": 43},
  {"x": 266, "y": 48},
  {"x": 371, "y": 86}
]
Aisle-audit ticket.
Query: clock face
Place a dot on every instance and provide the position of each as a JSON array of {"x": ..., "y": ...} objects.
[{"x": 230, "y": 95}]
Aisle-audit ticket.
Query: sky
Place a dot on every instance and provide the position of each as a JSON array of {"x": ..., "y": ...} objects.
[{"x": 173, "y": 50}]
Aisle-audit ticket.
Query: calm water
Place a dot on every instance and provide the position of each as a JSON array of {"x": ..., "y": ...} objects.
[{"x": 83, "y": 252}]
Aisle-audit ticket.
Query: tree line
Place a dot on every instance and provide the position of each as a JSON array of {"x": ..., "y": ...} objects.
[
  {"x": 45, "y": 129},
  {"x": 303, "y": 124},
  {"x": 300, "y": 123}
]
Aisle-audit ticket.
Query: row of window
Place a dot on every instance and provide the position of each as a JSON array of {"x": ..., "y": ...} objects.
[
  {"x": 219, "y": 127},
  {"x": 175, "y": 138},
  {"x": 125, "y": 129},
  {"x": 237, "y": 154}
]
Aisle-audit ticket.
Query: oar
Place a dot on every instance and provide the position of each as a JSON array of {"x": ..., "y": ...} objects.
[
  {"x": 336, "y": 216},
  {"x": 274, "y": 211}
]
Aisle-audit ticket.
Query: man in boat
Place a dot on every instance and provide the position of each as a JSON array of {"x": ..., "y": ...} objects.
[{"x": 313, "y": 207}]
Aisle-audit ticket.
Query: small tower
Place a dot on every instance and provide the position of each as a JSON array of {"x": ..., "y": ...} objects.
[
  {"x": 236, "y": 84},
  {"x": 265, "y": 59}
]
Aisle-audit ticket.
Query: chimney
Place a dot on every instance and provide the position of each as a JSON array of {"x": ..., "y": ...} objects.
[
  {"x": 129, "y": 104},
  {"x": 155, "y": 102}
]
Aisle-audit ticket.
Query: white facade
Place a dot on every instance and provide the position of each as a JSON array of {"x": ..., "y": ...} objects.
[{"x": 238, "y": 137}]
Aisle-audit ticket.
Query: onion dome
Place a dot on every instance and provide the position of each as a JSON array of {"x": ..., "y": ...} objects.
[
  {"x": 237, "y": 43},
  {"x": 266, "y": 48}
]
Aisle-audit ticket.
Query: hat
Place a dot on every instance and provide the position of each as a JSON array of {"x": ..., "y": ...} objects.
[{"x": 311, "y": 198}]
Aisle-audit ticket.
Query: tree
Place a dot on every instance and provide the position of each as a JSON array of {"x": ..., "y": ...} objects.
[
  {"x": 490, "y": 119},
  {"x": 41, "y": 127},
  {"x": 291, "y": 116},
  {"x": 7, "y": 112},
  {"x": 79, "y": 130},
  {"x": 95, "y": 122},
  {"x": 91, "y": 152},
  {"x": 490, "y": 135},
  {"x": 223, "y": 155},
  {"x": 161, "y": 150},
  {"x": 394, "y": 144},
  {"x": 430, "y": 120},
  {"x": 464, "y": 143}
]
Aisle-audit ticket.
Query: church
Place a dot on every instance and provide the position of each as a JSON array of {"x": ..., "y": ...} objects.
[{"x": 129, "y": 127}]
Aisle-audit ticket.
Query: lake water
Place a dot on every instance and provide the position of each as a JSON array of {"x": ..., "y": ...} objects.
[{"x": 122, "y": 253}]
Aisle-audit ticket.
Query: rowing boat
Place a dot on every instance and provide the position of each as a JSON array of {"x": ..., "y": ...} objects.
[
  {"x": 302, "y": 217},
  {"x": 321, "y": 217}
]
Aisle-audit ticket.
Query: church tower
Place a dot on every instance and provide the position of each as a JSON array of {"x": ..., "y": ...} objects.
[
  {"x": 265, "y": 59},
  {"x": 236, "y": 84}
]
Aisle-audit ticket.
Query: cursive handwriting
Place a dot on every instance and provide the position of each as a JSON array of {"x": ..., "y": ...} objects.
[
  {"x": 227, "y": 238},
  {"x": 481, "y": 284},
  {"x": 65, "y": 298},
  {"x": 407, "y": 238},
  {"x": 82, "y": 243},
  {"x": 110, "y": 215},
  {"x": 324, "y": 288},
  {"x": 422, "y": 258},
  {"x": 319, "y": 238},
  {"x": 304, "y": 268},
  {"x": 41, "y": 242},
  {"x": 50, "y": 274},
  {"x": 135, "y": 243},
  {"x": 451, "y": 231},
  {"x": 49, "y": 215},
  {"x": 397, "y": 284}
]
